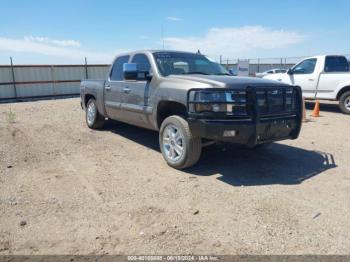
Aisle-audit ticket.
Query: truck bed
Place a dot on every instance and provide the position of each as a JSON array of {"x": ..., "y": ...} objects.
[{"x": 94, "y": 88}]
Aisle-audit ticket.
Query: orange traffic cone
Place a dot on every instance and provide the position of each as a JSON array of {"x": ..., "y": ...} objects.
[{"x": 316, "y": 111}]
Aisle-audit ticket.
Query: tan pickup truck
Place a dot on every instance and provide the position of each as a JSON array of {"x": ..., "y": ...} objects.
[{"x": 190, "y": 99}]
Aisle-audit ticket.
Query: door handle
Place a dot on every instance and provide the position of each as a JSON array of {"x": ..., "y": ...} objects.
[
  {"x": 126, "y": 90},
  {"x": 311, "y": 79},
  {"x": 108, "y": 87}
]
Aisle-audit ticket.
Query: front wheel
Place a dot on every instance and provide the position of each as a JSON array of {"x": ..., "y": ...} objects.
[
  {"x": 94, "y": 119},
  {"x": 180, "y": 148},
  {"x": 344, "y": 103}
]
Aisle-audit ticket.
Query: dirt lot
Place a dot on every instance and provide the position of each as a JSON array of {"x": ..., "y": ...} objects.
[{"x": 66, "y": 189}]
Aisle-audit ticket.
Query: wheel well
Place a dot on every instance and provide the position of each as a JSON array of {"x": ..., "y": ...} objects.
[
  {"x": 87, "y": 98},
  {"x": 169, "y": 108},
  {"x": 342, "y": 91}
]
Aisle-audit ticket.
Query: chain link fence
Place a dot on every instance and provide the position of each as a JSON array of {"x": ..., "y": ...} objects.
[{"x": 259, "y": 65}]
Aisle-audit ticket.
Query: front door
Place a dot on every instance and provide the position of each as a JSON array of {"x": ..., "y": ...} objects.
[
  {"x": 135, "y": 94},
  {"x": 114, "y": 88},
  {"x": 305, "y": 76}
]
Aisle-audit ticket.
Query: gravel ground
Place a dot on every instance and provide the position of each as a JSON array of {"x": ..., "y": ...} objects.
[{"x": 66, "y": 189}]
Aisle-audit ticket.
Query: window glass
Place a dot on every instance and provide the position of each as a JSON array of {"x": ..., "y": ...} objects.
[
  {"x": 177, "y": 63},
  {"x": 280, "y": 71},
  {"x": 142, "y": 62},
  {"x": 305, "y": 67},
  {"x": 336, "y": 64},
  {"x": 180, "y": 67},
  {"x": 117, "y": 70}
]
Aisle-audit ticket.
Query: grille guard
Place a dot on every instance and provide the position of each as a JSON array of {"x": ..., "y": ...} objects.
[{"x": 253, "y": 112}]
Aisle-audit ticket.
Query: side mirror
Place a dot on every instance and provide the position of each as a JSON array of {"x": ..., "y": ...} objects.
[
  {"x": 289, "y": 71},
  {"x": 130, "y": 71},
  {"x": 148, "y": 76}
]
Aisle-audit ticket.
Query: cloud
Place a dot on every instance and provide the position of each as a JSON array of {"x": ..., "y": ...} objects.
[
  {"x": 46, "y": 40},
  {"x": 174, "y": 18},
  {"x": 235, "y": 41},
  {"x": 64, "y": 49}
]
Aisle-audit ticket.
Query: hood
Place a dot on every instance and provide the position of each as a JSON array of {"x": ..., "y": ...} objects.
[
  {"x": 274, "y": 76},
  {"x": 227, "y": 81}
]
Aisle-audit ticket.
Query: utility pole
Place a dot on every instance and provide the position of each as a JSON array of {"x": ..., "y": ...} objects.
[{"x": 86, "y": 69}]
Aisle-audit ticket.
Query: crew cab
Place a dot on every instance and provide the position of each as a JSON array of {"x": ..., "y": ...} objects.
[
  {"x": 192, "y": 101},
  {"x": 321, "y": 77}
]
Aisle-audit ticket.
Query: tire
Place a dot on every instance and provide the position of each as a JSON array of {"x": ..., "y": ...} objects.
[
  {"x": 94, "y": 119},
  {"x": 344, "y": 103},
  {"x": 175, "y": 134}
]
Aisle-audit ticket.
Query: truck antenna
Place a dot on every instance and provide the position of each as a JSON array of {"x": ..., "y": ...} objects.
[{"x": 162, "y": 35}]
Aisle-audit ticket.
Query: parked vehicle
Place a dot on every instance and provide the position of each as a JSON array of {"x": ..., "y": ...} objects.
[
  {"x": 271, "y": 71},
  {"x": 192, "y": 101},
  {"x": 321, "y": 77}
]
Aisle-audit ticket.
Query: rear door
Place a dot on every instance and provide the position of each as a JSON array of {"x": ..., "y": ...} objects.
[
  {"x": 306, "y": 76},
  {"x": 113, "y": 88},
  {"x": 135, "y": 93}
]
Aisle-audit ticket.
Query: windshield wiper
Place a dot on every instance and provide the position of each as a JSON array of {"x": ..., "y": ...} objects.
[{"x": 195, "y": 73}]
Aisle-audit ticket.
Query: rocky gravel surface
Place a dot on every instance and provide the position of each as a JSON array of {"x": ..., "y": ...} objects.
[{"x": 66, "y": 189}]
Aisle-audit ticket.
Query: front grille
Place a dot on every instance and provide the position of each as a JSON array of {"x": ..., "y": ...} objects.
[
  {"x": 275, "y": 101},
  {"x": 250, "y": 103}
]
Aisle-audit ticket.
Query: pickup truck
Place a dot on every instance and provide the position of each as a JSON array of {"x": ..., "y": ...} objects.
[
  {"x": 321, "y": 77},
  {"x": 193, "y": 102}
]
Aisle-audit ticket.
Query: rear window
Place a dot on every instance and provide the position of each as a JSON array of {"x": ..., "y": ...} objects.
[{"x": 336, "y": 64}]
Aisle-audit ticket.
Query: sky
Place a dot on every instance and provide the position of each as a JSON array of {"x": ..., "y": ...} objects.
[{"x": 66, "y": 31}]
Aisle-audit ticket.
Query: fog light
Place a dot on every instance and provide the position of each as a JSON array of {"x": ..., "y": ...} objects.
[{"x": 230, "y": 133}]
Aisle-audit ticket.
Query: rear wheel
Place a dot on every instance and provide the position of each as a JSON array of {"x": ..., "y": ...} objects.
[
  {"x": 180, "y": 148},
  {"x": 94, "y": 119},
  {"x": 344, "y": 103}
]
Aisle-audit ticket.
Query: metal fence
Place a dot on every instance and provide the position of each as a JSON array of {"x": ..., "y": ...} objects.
[
  {"x": 33, "y": 81},
  {"x": 258, "y": 65}
]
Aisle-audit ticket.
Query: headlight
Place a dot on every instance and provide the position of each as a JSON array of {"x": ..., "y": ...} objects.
[
  {"x": 210, "y": 101},
  {"x": 229, "y": 102},
  {"x": 200, "y": 108}
]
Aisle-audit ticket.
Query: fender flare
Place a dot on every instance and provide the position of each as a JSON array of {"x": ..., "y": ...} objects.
[{"x": 341, "y": 87}]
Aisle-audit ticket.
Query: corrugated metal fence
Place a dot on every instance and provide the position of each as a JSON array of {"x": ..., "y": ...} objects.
[{"x": 33, "y": 81}]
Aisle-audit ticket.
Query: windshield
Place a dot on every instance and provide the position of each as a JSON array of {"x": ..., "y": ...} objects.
[{"x": 174, "y": 63}]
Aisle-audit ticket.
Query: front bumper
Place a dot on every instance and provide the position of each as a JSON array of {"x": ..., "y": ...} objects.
[
  {"x": 246, "y": 132},
  {"x": 256, "y": 128}
]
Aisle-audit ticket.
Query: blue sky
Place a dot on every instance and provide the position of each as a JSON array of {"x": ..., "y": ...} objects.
[{"x": 66, "y": 31}]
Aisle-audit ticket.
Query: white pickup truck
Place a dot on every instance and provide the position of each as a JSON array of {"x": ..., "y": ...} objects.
[{"x": 321, "y": 77}]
